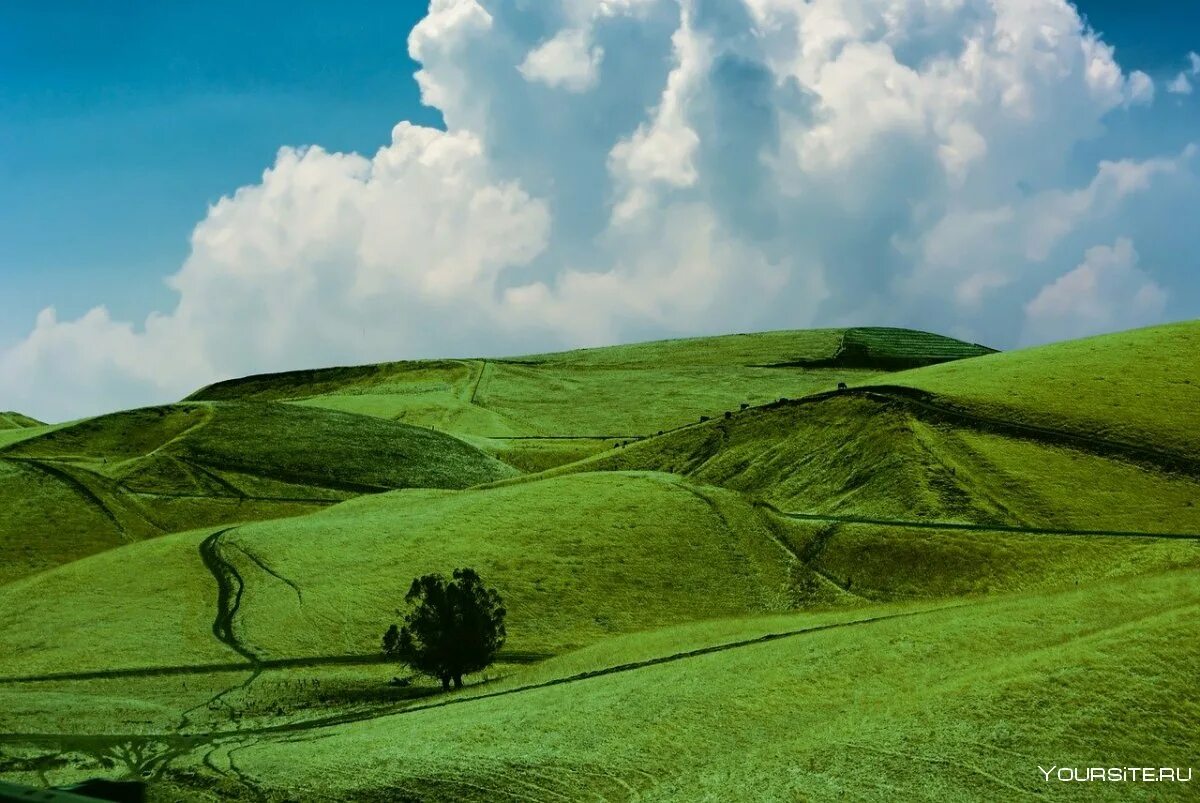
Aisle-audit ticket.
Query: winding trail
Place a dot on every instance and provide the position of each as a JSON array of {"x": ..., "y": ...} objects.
[{"x": 230, "y": 587}]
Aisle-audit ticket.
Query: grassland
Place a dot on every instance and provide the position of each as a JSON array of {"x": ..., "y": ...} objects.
[
  {"x": 956, "y": 704},
  {"x": 1140, "y": 387},
  {"x": 625, "y": 391},
  {"x": 11, "y": 420},
  {"x": 923, "y": 586},
  {"x": 73, "y": 490}
]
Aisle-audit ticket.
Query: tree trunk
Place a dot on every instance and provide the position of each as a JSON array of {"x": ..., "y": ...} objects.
[
  {"x": 445, "y": 683},
  {"x": 458, "y": 681}
]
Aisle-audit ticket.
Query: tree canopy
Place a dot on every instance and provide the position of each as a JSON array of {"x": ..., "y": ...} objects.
[{"x": 453, "y": 628}]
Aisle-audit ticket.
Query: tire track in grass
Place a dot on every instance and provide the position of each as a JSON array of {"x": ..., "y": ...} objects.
[
  {"x": 260, "y": 563},
  {"x": 790, "y": 553},
  {"x": 81, "y": 490},
  {"x": 478, "y": 380},
  {"x": 986, "y": 528},
  {"x": 923, "y": 400},
  {"x": 681, "y": 656},
  {"x": 514, "y": 657},
  {"x": 230, "y": 588}
]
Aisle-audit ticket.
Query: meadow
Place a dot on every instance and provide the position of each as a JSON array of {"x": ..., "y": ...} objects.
[{"x": 726, "y": 577}]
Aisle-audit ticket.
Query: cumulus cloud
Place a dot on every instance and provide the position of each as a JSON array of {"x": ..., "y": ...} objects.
[
  {"x": 566, "y": 60},
  {"x": 614, "y": 169},
  {"x": 1105, "y": 292}
]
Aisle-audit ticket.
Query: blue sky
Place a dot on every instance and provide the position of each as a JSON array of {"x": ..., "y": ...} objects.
[{"x": 120, "y": 124}]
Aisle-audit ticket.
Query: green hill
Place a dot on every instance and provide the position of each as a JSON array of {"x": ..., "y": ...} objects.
[
  {"x": 959, "y": 703},
  {"x": 923, "y": 585},
  {"x": 1028, "y": 448},
  {"x": 603, "y": 393},
  {"x": 1140, "y": 387},
  {"x": 11, "y": 420},
  {"x": 583, "y": 557},
  {"x": 76, "y": 489}
]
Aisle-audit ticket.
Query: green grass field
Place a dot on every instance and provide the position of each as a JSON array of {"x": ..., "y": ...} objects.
[
  {"x": 73, "y": 490},
  {"x": 962, "y": 567}
]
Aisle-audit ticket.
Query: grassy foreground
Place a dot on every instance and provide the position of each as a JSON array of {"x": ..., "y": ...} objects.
[{"x": 963, "y": 566}]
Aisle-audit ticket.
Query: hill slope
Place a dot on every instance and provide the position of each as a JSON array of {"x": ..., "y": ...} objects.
[
  {"x": 925, "y": 584},
  {"x": 11, "y": 420},
  {"x": 1028, "y": 448},
  {"x": 1140, "y": 387},
  {"x": 961, "y": 703},
  {"x": 101, "y": 482},
  {"x": 579, "y": 558},
  {"x": 614, "y": 391}
]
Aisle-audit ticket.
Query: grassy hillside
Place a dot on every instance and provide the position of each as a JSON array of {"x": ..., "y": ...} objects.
[
  {"x": 74, "y": 490},
  {"x": 961, "y": 703},
  {"x": 849, "y": 455},
  {"x": 857, "y": 704},
  {"x": 579, "y": 557},
  {"x": 616, "y": 391},
  {"x": 921, "y": 586},
  {"x": 11, "y": 420},
  {"x": 1140, "y": 387}
]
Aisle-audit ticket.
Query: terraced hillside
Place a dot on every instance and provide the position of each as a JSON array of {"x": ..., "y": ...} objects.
[
  {"x": 923, "y": 585},
  {"x": 75, "y": 490}
]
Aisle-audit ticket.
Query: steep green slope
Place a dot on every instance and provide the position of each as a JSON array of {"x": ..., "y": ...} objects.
[
  {"x": 1141, "y": 387},
  {"x": 76, "y": 489},
  {"x": 1031, "y": 447},
  {"x": 852, "y": 456}
]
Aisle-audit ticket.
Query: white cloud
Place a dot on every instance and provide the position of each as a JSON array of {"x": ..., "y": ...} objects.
[
  {"x": 1140, "y": 89},
  {"x": 567, "y": 60},
  {"x": 1194, "y": 63},
  {"x": 699, "y": 167},
  {"x": 1107, "y": 291},
  {"x": 1180, "y": 85}
]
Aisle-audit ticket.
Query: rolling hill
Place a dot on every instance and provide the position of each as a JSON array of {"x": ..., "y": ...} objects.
[
  {"x": 74, "y": 490},
  {"x": 961, "y": 566},
  {"x": 11, "y": 420},
  {"x": 543, "y": 409}
]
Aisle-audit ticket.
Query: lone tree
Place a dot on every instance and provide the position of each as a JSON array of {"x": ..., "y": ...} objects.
[{"x": 453, "y": 628}]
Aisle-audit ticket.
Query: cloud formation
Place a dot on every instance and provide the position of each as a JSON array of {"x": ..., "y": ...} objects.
[
  {"x": 1181, "y": 84},
  {"x": 619, "y": 169},
  {"x": 1106, "y": 292}
]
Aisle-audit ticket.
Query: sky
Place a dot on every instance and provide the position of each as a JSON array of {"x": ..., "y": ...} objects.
[{"x": 191, "y": 191}]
